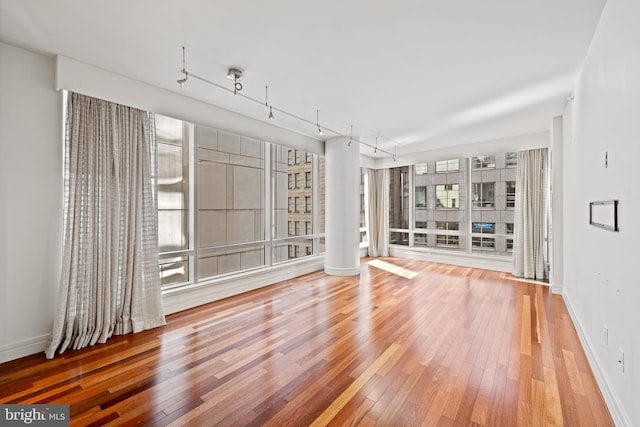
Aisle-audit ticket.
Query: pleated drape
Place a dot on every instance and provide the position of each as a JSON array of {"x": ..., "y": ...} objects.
[
  {"x": 110, "y": 281},
  {"x": 378, "y": 213},
  {"x": 531, "y": 197}
]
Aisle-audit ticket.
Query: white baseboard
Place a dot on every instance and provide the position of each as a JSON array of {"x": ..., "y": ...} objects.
[
  {"x": 18, "y": 349},
  {"x": 620, "y": 417}
]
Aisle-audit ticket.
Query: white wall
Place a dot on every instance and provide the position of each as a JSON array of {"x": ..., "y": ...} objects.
[
  {"x": 30, "y": 200},
  {"x": 601, "y": 284}
]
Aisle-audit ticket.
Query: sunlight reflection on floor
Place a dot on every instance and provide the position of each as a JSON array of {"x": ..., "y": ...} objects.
[{"x": 391, "y": 268}]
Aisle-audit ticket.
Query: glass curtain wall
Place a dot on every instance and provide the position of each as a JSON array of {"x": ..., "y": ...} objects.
[
  {"x": 228, "y": 203},
  {"x": 461, "y": 204}
]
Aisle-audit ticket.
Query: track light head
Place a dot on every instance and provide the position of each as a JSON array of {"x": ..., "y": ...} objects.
[
  {"x": 270, "y": 113},
  {"x": 183, "y": 80},
  {"x": 375, "y": 151},
  {"x": 320, "y": 131},
  {"x": 234, "y": 74}
]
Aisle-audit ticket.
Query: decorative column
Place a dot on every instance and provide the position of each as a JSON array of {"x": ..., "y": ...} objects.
[{"x": 342, "y": 207}]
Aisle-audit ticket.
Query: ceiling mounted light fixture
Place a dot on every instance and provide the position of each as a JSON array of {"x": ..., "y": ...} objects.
[
  {"x": 318, "y": 122},
  {"x": 350, "y": 137},
  {"x": 235, "y": 75},
  {"x": 183, "y": 80}
]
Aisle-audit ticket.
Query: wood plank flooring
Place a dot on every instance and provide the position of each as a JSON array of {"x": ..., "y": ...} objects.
[{"x": 407, "y": 343}]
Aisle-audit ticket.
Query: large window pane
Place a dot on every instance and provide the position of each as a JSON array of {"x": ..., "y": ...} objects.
[
  {"x": 399, "y": 197},
  {"x": 230, "y": 187},
  {"x": 173, "y": 184},
  {"x": 448, "y": 196}
]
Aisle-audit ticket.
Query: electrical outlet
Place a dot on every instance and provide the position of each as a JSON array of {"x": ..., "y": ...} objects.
[
  {"x": 606, "y": 335},
  {"x": 621, "y": 360}
]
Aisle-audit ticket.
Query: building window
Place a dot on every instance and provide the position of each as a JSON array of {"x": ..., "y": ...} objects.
[
  {"x": 421, "y": 224},
  {"x": 292, "y": 207},
  {"x": 511, "y": 194},
  {"x": 307, "y": 179},
  {"x": 447, "y": 196},
  {"x": 510, "y": 244},
  {"x": 451, "y": 165},
  {"x": 290, "y": 179},
  {"x": 309, "y": 250},
  {"x": 300, "y": 156},
  {"x": 447, "y": 225},
  {"x": 511, "y": 160},
  {"x": 297, "y": 203},
  {"x": 421, "y": 169},
  {"x": 488, "y": 243},
  {"x": 509, "y": 228},
  {"x": 308, "y": 227},
  {"x": 292, "y": 228},
  {"x": 483, "y": 194},
  {"x": 308, "y": 157},
  {"x": 291, "y": 155},
  {"x": 483, "y": 227},
  {"x": 421, "y": 197},
  {"x": 307, "y": 204},
  {"x": 297, "y": 175},
  {"x": 483, "y": 162},
  {"x": 447, "y": 240},
  {"x": 299, "y": 230},
  {"x": 291, "y": 250}
]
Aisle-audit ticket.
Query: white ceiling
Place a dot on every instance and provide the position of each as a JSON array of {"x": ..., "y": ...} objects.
[{"x": 418, "y": 74}]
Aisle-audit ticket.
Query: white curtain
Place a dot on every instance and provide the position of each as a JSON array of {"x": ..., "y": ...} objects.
[
  {"x": 531, "y": 196},
  {"x": 378, "y": 213},
  {"x": 110, "y": 281}
]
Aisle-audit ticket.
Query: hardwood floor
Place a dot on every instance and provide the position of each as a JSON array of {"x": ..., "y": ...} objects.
[{"x": 407, "y": 343}]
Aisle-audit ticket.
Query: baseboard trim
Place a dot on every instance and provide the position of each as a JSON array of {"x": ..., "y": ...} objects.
[
  {"x": 18, "y": 349},
  {"x": 620, "y": 417}
]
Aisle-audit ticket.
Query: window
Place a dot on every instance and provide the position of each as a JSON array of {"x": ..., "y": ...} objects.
[
  {"x": 421, "y": 197},
  {"x": 421, "y": 224},
  {"x": 308, "y": 227},
  {"x": 308, "y": 157},
  {"x": 447, "y": 240},
  {"x": 446, "y": 225},
  {"x": 292, "y": 228},
  {"x": 448, "y": 196},
  {"x": 230, "y": 235},
  {"x": 292, "y": 207},
  {"x": 300, "y": 156},
  {"x": 421, "y": 169},
  {"x": 307, "y": 179},
  {"x": 511, "y": 194},
  {"x": 291, "y": 157},
  {"x": 483, "y": 194},
  {"x": 297, "y": 175},
  {"x": 399, "y": 204},
  {"x": 443, "y": 166},
  {"x": 509, "y": 227},
  {"x": 483, "y": 227},
  {"x": 509, "y": 244},
  {"x": 309, "y": 250},
  {"x": 297, "y": 203},
  {"x": 299, "y": 229},
  {"x": 511, "y": 160},
  {"x": 483, "y": 162},
  {"x": 290, "y": 179},
  {"x": 483, "y": 243},
  {"x": 173, "y": 184},
  {"x": 307, "y": 204}
]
